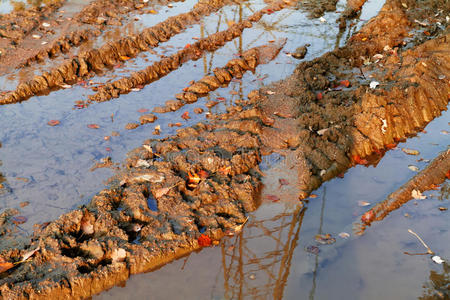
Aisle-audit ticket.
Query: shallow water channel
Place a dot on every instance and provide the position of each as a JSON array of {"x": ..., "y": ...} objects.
[{"x": 50, "y": 168}]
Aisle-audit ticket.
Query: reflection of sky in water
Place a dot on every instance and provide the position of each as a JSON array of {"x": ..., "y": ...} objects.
[{"x": 56, "y": 162}]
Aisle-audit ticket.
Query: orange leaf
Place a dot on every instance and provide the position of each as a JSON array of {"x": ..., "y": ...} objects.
[
  {"x": 53, "y": 122},
  {"x": 357, "y": 159},
  {"x": 5, "y": 266},
  {"x": 142, "y": 110},
  {"x": 203, "y": 174},
  {"x": 220, "y": 98},
  {"x": 185, "y": 115},
  {"x": 448, "y": 174},
  {"x": 225, "y": 170},
  {"x": 391, "y": 146},
  {"x": 345, "y": 83},
  {"x": 93, "y": 126},
  {"x": 124, "y": 57},
  {"x": 193, "y": 178},
  {"x": 204, "y": 240}
]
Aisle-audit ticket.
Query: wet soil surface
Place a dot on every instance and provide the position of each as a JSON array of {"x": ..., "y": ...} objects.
[{"x": 362, "y": 89}]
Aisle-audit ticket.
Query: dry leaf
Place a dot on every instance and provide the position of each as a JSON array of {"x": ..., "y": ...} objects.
[
  {"x": 325, "y": 239},
  {"x": 273, "y": 198},
  {"x": 413, "y": 168},
  {"x": 161, "y": 192},
  {"x": 29, "y": 254},
  {"x": 5, "y": 266},
  {"x": 204, "y": 240},
  {"x": 344, "y": 235},
  {"x": 118, "y": 255},
  {"x": 93, "y": 126},
  {"x": 363, "y": 203},
  {"x": 410, "y": 151},
  {"x": 53, "y": 122}
]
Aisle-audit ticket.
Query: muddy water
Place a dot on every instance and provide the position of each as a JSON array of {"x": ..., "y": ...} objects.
[
  {"x": 268, "y": 260},
  {"x": 50, "y": 168}
]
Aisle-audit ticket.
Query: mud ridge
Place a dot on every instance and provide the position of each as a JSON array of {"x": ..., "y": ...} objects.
[
  {"x": 194, "y": 51},
  {"x": 183, "y": 192},
  {"x": 97, "y": 60}
]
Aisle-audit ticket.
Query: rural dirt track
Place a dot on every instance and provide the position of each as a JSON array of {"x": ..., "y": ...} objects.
[{"x": 184, "y": 192}]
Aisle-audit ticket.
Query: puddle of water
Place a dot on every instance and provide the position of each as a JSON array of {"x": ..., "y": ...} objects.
[
  {"x": 49, "y": 167},
  {"x": 268, "y": 260}
]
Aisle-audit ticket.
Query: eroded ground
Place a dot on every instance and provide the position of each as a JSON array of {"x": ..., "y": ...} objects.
[{"x": 192, "y": 187}]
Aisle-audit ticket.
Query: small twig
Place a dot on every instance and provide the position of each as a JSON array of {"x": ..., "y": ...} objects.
[
  {"x": 429, "y": 251},
  {"x": 407, "y": 253}
]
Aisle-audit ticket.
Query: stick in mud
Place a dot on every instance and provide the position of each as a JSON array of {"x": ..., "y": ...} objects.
[{"x": 432, "y": 175}]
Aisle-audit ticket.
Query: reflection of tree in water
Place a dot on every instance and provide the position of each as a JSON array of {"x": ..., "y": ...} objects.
[
  {"x": 256, "y": 263},
  {"x": 438, "y": 287}
]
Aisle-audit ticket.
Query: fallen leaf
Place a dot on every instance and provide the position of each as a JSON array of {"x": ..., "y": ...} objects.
[
  {"x": 413, "y": 168},
  {"x": 93, "y": 126},
  {"x": 325, "y": 239},
  {"x": 185, "y": 115},
  {"x": 225, "y": 170},
  {"x": 312, "y": 196},
  {"x": 312, "y": 249},
  {"x": 344, "y": 235},
  {"x": 322, "y": 131},
  {"x": 441, "y": 208},
  {"x": 270, "y": 93},
  {"x": 53, "y": 122},
  {"x": 36, "y": 36},
  {"x": 363, "y": 203},
  {"x": 5, "y": 266},
  {"x": 345, "y": 83},
  {"x": 46, "y": 24},
  {"x": 220, "y": 98},
  {"x": 135, "y": 89},
  {"x": 273, "y": 198},
  {"x": 161, "y": 192},
  {"x": 142, "y": 110},
  {"x": 204, "y": 240},
  {"x": 410, "y": 151},
  {"x": 66, "y": 86},
  {"x": 358, "y": 160},
  {"x": 374, "y": 84},
  {"x": 437, "y": 259},
  {"x": 193, "y": 178},
  {"x": 283, "y": 181},
  {"x": 416, "y": 194},
  {"x": 203, "y": 174},
  {"x": 30, "y": 254},
  {"x": 445, "y": 132},
  {"x": 19, "y": 220},
  {"x": 390, "y": 146}
]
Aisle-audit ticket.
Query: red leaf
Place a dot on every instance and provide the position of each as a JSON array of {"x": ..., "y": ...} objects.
[
  {"x": 185, "y": 115},
  {"x": 108, "y": 149},
  {"x": 391, "y": 146},
  {"x": 359, "y": 160},
  {"x": 142, "y": 110},
  {"x": 273, "y": 198},
  {"x": 283, "y": 181},
  {"x": 5, "y": 266},
  {"x": 187, "y": 46},
  {"x": 345, "y": 83},
  {"x": 204, "y": 240},
  {"x": 448, "y": 174},
  {"x": 93, "y": 126},
  {"x": 19, "y": 219},
  {"x": 319, "y": 96},
  {"x": 220, "y": 98},
  {"x": 53, "y": 122},
  {"x": 203, "y": 174}
]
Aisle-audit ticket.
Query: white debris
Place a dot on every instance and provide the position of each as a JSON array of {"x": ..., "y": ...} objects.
[
  {"x": 378, "y": 56},
  {"x": 384, "y": 126},
  {"x": 46, "y": 24},
  {"x": 374, "y": 84},
  {"x": 322, "y": 131},
  {"x": 437, "y": 259},
  {"x": 322, "y": 19},
  {"x": 36, "y": 36},
  {"x": 142, "y": 163},
  {"x": 416, "y": 194}
]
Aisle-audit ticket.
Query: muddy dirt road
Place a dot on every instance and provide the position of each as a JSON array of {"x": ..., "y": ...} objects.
[{"x": 237, "y": 112}]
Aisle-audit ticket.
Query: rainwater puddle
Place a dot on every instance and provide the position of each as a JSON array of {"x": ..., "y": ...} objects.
[
  {"x": 268, "y": 259},
  {"x": 49, "y": 166}
]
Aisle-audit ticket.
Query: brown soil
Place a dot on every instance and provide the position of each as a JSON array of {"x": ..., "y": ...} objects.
[{"x": 178, "y": 194}]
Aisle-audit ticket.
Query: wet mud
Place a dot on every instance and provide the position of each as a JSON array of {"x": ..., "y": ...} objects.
[
  {"x": 184, "y": 192},
  {"x": 93, "y": 61}
]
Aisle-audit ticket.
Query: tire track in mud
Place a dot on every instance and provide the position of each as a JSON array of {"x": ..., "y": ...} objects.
[
  {"x": 235, "y": 68},
  {"x": 183, "y": 192},
  {"x": 193, "y": 52},
  {"x": 97, "y": 60}
]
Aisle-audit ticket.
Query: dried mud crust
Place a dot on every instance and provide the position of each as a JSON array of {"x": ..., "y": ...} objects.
[{"x": 204, "y": 179}]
